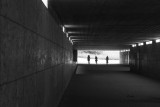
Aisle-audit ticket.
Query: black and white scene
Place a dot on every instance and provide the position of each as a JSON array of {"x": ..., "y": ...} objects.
[{"x": 79, "y": 53}]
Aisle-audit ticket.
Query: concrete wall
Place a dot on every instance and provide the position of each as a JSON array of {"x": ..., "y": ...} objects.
[
  {"x": 146, "y": 59},
  {"x": 124, "y": 57},
  {"x": 36, "y": 57}
]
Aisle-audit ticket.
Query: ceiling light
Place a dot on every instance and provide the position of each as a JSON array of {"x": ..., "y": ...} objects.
[
  {"x": 45, "y": 3},
  {"x": 75, "y": 26},
  {"x": 158, "y": 40},
  {"x": 134, "y": 45},
  {"x": 74, "y": 32},
  {"x": 127, "y": 50},
  {"x": 149, "y": 42},
  {"x": 140, "y": 44},
  {"x": 122, "y": 51},
  {"x": 64, "y": 30}
]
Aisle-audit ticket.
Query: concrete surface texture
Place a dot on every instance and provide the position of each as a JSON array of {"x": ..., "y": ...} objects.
[
  {"x": 146, "y": 59},
  {"x": 124, "y": 57},
  {"x": 36, "y": 56},
  {"x": 110, "y": 86}
]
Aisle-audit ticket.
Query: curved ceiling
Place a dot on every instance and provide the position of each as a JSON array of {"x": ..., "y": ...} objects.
[{"x": 108, "y": 23}]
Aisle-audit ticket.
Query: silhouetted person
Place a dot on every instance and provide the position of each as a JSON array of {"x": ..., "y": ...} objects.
[
  {"x": 96, "y": 59},
  {"x": 107, "y": 58},
  {"x": 88, "y": 58}
]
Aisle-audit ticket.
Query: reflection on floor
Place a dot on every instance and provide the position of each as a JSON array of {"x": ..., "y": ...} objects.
[{"x": 110, "y": 86}]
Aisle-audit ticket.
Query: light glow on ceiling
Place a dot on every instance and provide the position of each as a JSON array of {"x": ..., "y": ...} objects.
[
  {"x": 73, "y": 32},
  {"x": 45, "y": 3},
  {"x": 128, "y": 50},
  {"x": 158, "y": 40},
  {"x": 63, "y": 29},
  {"x": 71, "y": 42},
  {"x": 75, "y": 26},
  {"x": 149, "y": 42},
  {"x": 140, "y": 44},
  {"x": 134, "y": 45}
]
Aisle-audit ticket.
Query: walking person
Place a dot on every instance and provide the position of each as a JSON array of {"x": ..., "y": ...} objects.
[
  {"x": 107, "y": 58},
  {"x": 96, "y": 59},
  {"x": 88, "y": 58}
]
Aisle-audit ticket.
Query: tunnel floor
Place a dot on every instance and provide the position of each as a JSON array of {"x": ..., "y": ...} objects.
[{"x": 110, "y": 86}]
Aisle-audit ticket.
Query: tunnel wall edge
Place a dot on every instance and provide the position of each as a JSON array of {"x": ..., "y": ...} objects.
[
  {"x": 36, "y": 56},
  {"x": 146, "y": 59}
]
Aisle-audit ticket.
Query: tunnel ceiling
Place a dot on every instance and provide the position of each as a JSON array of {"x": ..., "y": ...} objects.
[{"x": 108, "y": 23}]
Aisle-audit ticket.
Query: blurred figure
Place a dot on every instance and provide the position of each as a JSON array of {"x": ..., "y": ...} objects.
[
  {"x": 88, "y": 58},
  {"x": 107, "y": 58},
  {"x": 96, "y": 59}
]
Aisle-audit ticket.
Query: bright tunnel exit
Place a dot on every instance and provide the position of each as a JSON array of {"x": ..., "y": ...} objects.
[{"x": 114, "y": 56}]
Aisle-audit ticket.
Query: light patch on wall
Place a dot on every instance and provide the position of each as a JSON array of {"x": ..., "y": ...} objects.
[
  {"x": 158, "y": 40},
  {"x": 149, "y": 42},
  {"x": 45, "y": 3}
]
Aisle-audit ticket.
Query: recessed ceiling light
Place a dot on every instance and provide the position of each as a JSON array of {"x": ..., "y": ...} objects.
[
  {"x": 149, "y": 42},
  {"x": 127, "y": 50},
  {"x": 158, "y": 40},
  {"x": 134, "y": 45},
  {"x": 140, "y": 44},
  {"x": 64, "y": 30}
]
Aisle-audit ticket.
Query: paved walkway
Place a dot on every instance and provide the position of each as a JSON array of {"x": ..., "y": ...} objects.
[{"x": 110, "y": 86}]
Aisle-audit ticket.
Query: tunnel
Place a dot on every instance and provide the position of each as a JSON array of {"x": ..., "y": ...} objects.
[{"x": 39, "y": 44}]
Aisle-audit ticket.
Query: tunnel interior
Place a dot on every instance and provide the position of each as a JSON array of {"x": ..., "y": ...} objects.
[{"x": 39, "y": 43}]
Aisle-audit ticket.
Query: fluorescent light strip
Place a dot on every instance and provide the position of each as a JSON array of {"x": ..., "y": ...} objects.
[
  {"x": 45, "y": 3},
  {"x": 149, "y": 42},
  {"x": 158, "y": 40}
]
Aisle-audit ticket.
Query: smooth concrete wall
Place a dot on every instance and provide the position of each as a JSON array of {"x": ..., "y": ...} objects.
[
  {"x": 124, "y": 57},
  {"x": 36, "y": 57},
  {"x": 146, "y": 59}
]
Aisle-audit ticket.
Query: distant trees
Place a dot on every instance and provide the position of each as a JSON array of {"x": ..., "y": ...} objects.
[{"x": 92, "y": 52}]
